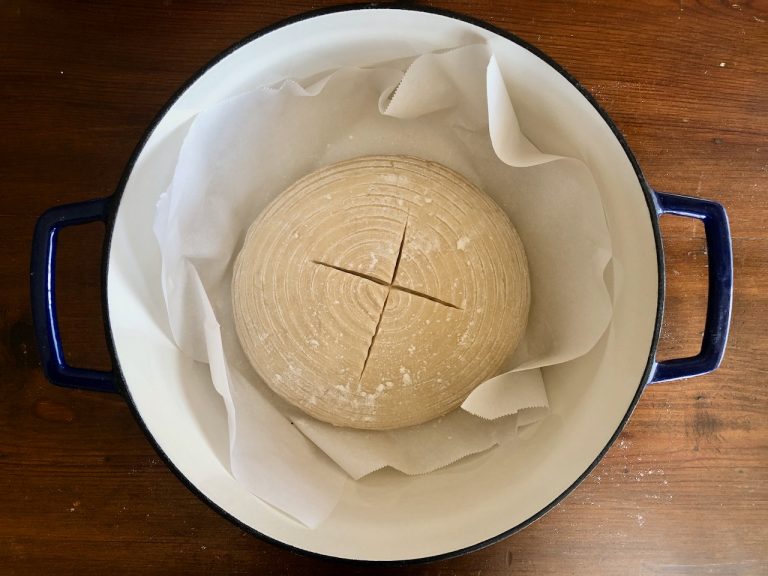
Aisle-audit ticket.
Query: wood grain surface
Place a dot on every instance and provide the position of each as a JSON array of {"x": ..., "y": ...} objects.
[{"x": 683, "y": 491}]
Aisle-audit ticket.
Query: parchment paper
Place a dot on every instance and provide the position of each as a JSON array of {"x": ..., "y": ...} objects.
[{"x": 451, "y": 107}]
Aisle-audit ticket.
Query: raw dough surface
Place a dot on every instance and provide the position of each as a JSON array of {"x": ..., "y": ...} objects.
[{"x": 379, "y": 292}]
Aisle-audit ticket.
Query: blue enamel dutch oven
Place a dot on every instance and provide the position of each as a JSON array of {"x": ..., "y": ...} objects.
[{"x": 388, "y": 517}]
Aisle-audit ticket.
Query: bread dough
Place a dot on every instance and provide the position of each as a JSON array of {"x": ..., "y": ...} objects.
[{"x": 379, "y": 292}]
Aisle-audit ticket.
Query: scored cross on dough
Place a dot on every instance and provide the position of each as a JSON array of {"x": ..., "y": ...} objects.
[
  {"x": 391, "y": 285},
  {"x": 378, "y": 292}
]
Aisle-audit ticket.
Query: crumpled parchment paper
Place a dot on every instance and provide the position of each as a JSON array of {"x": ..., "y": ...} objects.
[{"x": 451, "y": 107}]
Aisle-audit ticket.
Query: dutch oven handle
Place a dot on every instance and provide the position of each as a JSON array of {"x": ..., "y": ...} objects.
[
  {"x": 43, "y": 295},
  {"x": 720, "y": 296}
]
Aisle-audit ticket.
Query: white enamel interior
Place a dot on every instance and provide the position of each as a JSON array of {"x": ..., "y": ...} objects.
[{"x": 389, "y": 516}]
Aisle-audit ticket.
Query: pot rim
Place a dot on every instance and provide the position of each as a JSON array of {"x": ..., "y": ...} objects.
[{"x": 114, "y": 204}]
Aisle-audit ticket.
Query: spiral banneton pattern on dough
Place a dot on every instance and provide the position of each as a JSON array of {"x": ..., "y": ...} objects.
[{"x": 379, "y": 292}]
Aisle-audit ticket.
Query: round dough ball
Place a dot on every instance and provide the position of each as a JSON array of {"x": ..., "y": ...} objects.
[{"x": 379, "y": 292}]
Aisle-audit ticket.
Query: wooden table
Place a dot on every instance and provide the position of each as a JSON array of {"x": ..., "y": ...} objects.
[{"x": 683, "y": 491}]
